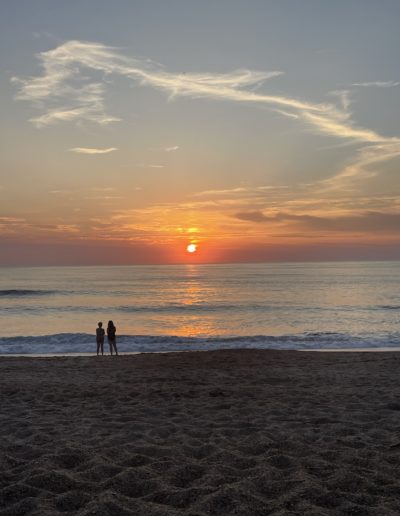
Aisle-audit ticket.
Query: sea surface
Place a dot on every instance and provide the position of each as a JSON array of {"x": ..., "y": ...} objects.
[{"x": 198, "y": 307}]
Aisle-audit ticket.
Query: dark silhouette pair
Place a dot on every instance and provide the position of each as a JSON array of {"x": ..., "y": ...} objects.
[{"x": 111, "y": 337}]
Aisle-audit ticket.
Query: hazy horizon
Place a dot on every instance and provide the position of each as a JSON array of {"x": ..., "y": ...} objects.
[
  {"x": 258, "y": 131},
  {"x": 205, "y": 264}
]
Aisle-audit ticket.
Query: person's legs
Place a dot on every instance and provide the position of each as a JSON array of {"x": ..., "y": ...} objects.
[
  {"x": 98, "y": 348},
  {"x": 102, "y": 348},
  {"x": 115, "y": 347},
  {"x": 110, "y": 342}
]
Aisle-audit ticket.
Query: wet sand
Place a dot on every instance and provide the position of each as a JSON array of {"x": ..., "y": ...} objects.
[{"x": 225, "y": 432}]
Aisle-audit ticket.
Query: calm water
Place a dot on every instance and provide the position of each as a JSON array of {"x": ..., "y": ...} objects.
[{"x": 202, "y": 306}]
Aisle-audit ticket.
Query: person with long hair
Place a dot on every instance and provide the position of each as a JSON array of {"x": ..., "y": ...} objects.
[{"x": 112, "y": 339}]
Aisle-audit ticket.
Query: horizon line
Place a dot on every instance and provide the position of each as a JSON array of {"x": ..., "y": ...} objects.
[{"x": 175, "y": 264}]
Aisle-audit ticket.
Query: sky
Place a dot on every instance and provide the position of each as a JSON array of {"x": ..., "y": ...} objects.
[{"x": 255, "y": 130}]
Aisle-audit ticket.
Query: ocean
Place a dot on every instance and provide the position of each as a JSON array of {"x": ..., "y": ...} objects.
[{"x": 200, "y": 307}]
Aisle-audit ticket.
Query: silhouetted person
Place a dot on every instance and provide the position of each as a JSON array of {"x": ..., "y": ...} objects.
[
  {"x": 100, "y": 338},
  {"x": 112, "y": 340}
]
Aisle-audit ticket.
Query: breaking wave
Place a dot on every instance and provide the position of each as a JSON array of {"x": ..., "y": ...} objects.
[
  {"x": 25, "y": 293},
  {"x": 68, "y": 343}
]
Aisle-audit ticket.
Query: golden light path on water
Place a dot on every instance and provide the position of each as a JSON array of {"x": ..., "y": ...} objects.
[{"x": 343, "y": 300}]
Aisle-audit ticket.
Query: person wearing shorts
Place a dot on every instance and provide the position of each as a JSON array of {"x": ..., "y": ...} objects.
[{"x": 100, "y": 338}]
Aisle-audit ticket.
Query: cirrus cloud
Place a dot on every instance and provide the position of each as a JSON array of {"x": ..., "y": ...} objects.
[
  {"x": 359, "y": 222},
  {"x": 377, "y": 84},
  {"x": 69, "y": 90},
  {"x": 89, "y": 150}
]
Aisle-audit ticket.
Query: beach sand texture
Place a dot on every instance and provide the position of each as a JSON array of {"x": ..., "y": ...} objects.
[{"x": 225, "y": 432}]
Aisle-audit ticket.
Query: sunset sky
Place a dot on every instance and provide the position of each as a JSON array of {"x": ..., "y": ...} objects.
[{"x": 256, "y": 130}]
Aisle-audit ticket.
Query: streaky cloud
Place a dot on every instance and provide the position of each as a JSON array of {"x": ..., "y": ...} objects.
[
  {"x": 64, "y": 66},
  {"x": 359, "y": 222},
  {"x": 230, "y": 191},
  {"x": 88, "y": 150},
  {"x": 287, "y": 114},
  {"x": 377, "y": 84},
  {"x": 344, "y": 96},
  {"x": 11, "y": 220},
  {"x": 361, "y": 165},
  {"x": 68, "y": 92}
]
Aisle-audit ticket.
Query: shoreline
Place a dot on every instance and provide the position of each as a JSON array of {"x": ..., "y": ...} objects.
[{"x": 385, "y": 349}]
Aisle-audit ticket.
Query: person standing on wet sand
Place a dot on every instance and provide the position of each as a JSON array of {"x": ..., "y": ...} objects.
[
  {"x": 112, "y": 340},
  {"x": 100, "y": 338}
]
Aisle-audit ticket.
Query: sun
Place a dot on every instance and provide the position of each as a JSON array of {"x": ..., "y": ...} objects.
[{"x": 191, "y": 248}]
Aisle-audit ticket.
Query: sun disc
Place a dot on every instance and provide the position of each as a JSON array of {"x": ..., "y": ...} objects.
[{"x": 191, "y": 248}]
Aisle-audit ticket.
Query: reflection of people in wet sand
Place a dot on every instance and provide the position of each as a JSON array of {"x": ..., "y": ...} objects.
[
  {"x": 100, "y": 338},
  {"x": 112, "y": 340}
]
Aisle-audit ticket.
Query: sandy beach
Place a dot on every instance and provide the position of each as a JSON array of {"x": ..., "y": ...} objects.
[{"x": 224, "y": 432}]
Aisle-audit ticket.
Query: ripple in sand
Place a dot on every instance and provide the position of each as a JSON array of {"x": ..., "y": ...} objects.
[
  {"x": 231, "y": 500},
  {"x": 180, "y": 499},
  {"x": 183, "y": 476},
  {"x": 72, "y": 501},
  {"x": 16, "y": 492},
  {"x": 55, "y": 482},
  {"x": 134, "y": 484},
  {"x": 26, "y": 506}
]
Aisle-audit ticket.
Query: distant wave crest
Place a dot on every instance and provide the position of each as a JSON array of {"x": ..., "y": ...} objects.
[
  {"x": 25, "y": 292},
  {"x": 186, "y": 307}
]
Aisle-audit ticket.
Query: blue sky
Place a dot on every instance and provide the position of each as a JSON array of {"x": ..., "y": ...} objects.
[{"x": 253, "y": 129}]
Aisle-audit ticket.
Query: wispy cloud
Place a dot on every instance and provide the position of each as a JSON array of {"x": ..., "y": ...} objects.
[
  {"x": 104, "y": 189},
  {"x": 377, "y": 84},
  {"x": 64, "y": 228},
  {"x": 88, "y": 150},
  {"x": 363, "y": 164},
  {"x": 11, "y": 220},
  {"x": 103, "y": 197},
  {"x": 15, "y": 225},
  {"x": 64, "y": 92},
  {"x": 361, "y": 222},
  {"x": 63, "y": 79},
  {"x": 171, "y": 149},
  {"x": 145, "y": 165},
  {"x": 222, "y": 192},
  {"x": 69, "y": 90},
  {"x": 287, "y": 114},
  {"x": 344, "y": 97}
]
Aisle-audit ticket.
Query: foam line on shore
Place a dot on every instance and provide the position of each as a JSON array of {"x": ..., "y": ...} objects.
[
  {"x": 75, "y": 355},
  {"x": 354, "y": 350}
]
